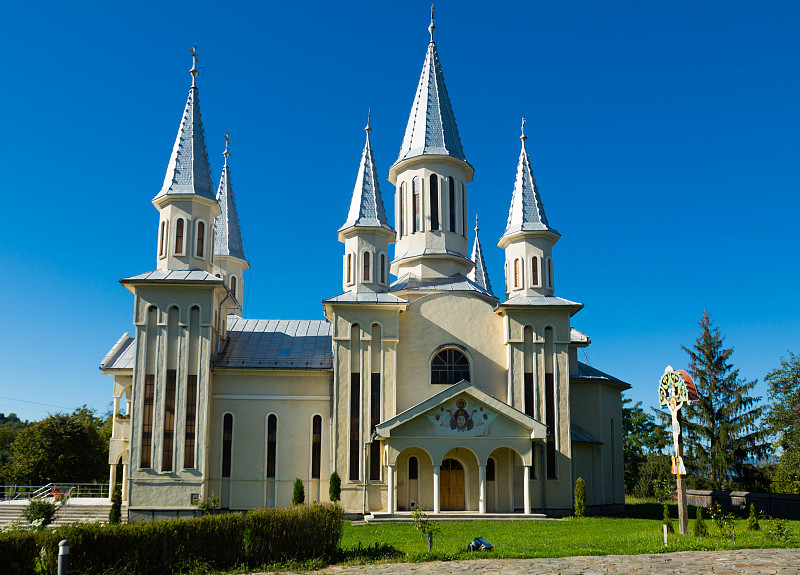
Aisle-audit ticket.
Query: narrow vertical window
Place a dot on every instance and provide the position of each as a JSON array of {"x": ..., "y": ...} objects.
[
  {"x": 179, "y": 236},
  {"x": 516, "y": 274},
  {"x": 416, "y": 191},
  {"x": 534, "y": 271},
  {"x": 145, "y": 460},
  {"x": 272, "y": 442},
  {"x": 191, "y": 389},
  {"x": 316, "y": 446},
  {"x": 550, "y": 273},
  {"x": 434, "y": 197},
  {"x": 402, "y": 209},
  {"x": 413, "y": 468},
  {"x": 383, "y": 268},
  {"x": 169, "y": 420},
  {"x": 464, "y": 223},
  {"x": 162, "y": 239},
  {"x": 201, "y": 238},
  {"x": 355, "y": 401},
  {"x": 375, "y": 403},
  {"x": 367, "y": 277},
  {"x": 227, "y": 444},
  {"x": 452, "y": 205},
  {"x": 234, "y": 283},
  {"x": 528, "y": 365},
  {"x": 490, "y": 472},
  {"x": 349, "y": 269},
  {"x": 550, "y": 403}
]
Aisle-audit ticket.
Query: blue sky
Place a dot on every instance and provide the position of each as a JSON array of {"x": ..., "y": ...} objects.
[{"x": 663, "y": 136}]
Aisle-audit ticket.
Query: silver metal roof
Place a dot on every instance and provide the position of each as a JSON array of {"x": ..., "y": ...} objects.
[
  {"x": 527, "y": 211},
  {"x": 276, "y": 344},
  {"x": 188, "y": 171},
  {"x": 539, "y": 301},
  {"x": 174, "y": 276},
  {"x": 227, "y": 234},
  {"x": 589, "y": 373},
  {"x": 579, "y": 435},
  {"x": 431, "y": 127},
  {"x": 456, "y": 283},
  {"x": 365, "y": 297},
  {"x": 479, "y": 274},
  {"x": 578, "y": 337},
  {"x": 121, "y": 355},
  {"x": 366, "y": 206}
]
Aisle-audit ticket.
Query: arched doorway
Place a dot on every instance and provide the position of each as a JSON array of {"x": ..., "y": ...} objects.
[{"x": 452, "y": 486}]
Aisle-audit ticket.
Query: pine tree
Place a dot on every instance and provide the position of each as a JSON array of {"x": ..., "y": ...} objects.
[
  {"x": 335, "y": 488},
  {"x": 721, "y": 435},
  {"x": 299, "y": 492},
  {"x": 580, "y": 498}
]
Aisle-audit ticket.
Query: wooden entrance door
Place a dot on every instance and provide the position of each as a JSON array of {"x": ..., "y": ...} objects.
[{"x": 451, "y": 476}]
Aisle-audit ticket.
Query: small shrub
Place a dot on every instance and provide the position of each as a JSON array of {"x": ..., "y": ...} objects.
[
  {"x": 580, "y": 498},
  {"x": 662, "y": 490},
  {"x": 299, "y": 492},
  {"x": 208, "y": 505},
  {"x": 335, "y": 488},
  {"x": 39, "y": 511},
  {"x": 777, "y": 531},
  {"x": 424, "y": 525},
  {"x": 115, "y": 514},
  {"x": 700, "y": 528},
  {"x": 724, "y": 521},
  {"x": 752, "y": 520},
  {"x": 667, "y": 520}
]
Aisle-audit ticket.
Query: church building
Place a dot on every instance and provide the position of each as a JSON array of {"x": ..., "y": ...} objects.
[{"x": 418, "y": 385}]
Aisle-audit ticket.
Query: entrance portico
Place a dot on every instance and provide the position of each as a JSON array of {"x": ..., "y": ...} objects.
[{"x": 439, "y": 450}]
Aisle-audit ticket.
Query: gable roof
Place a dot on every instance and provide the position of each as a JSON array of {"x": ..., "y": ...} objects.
[{"x": 538, "y": 430}]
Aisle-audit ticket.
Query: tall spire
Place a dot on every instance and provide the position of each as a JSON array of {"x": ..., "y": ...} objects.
[
  {"x": 431, "y": 127},
  {"x": 228, "y": 234},
  {"x": 479, "y": 274},
  {"x": 527, "y": 211},
  {"x": 366, "y": 206},
  {"x": 188, "y": 171}
]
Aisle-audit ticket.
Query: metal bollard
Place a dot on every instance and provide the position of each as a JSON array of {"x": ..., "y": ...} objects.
[{"x": 63, "y": 557}]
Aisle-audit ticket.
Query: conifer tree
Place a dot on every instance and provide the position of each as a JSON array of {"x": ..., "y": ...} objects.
[{"x": 721, "y": 437}]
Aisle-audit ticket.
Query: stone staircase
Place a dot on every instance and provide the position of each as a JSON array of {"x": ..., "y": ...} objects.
[
  {"x": 77, "y": 510},
  {"x": 405, "y": 516}
]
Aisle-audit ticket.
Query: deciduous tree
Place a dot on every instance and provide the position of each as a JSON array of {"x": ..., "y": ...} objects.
[{"x": 783, "y": 420}]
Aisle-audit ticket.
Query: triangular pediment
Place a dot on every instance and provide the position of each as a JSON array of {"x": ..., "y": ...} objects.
[{"x": 461, "y": 410}]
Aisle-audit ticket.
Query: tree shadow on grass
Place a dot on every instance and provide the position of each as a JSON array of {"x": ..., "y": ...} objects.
[{"x": 368, "y": 554}]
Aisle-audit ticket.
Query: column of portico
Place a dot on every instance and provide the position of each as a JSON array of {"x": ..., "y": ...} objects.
[
  {"x": 390, "y": 480},
  {"x": 526, "y": 488},
  {"x": 436, "y": 504},
  {"x": 112, "y": 477},
  {"x": 482, "y": 487},
  {"x": 124, "y": 481}
]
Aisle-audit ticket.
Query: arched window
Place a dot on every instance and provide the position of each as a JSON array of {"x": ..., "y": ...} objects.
[
  {"x": 316, "y": 446},
  {"x": 233, "y": 280},
  {"x": 349, "y": 271},
  {"x": 179, "y": 225},
  {"x": 383, "y": 268},
  {"x": 201, "y": 239},
  {"x": 162, "y": 239},
  {"x": 490, "y": 472},
  {"x": 402, "y": 209},
  {"x": 366, "y": 277},
  {"x": 517, "y": 278},
  {"x": 449, "y": 366},
  {"x": 550, "y": 273},
  {"x": 413, "y": 468},
  {"x": 272, "y": 442},
  {"x": 416, "y": 190},
  {"x": 434, "y": 196},
  {"x": 227, "y": 444},
  {"x": 452, "y": 205},
  {"x": 535, "y": 271}
]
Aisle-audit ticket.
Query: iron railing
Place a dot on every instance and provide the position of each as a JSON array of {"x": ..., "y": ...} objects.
[{"x": 17, "y": 492}]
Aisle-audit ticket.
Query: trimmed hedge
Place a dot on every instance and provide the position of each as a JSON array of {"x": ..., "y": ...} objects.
[
  {"x": 258, "y": 538},
  {"x": 19, "y": 552}
]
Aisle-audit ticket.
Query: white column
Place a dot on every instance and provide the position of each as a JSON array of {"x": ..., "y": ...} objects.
[
  {"x": 526, "y": 488},
  {"x": 482, "y": 487},
  {"x": 436, "y": 505},
  {"x": 390, "y": 480},
  {"x": 124, "y": 481},
  {"x": 114, "y": 417},
  {"x": 112, "y": 477}
]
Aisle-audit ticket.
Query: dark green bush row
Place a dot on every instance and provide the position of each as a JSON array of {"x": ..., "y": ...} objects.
[
  {"x": 18, "y": 553},
  {"x": 221, "y": 541}
]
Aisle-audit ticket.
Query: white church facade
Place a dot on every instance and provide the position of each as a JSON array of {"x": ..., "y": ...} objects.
[{"x": 418, "y": 385}]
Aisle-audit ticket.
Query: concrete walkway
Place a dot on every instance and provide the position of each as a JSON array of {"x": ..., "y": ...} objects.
[{"x": 739, "y": 562}]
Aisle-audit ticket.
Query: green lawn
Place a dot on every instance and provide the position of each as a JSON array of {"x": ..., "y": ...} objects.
[{"x": 638, "y": 531}]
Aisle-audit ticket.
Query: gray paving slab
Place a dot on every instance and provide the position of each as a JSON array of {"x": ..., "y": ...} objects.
[{"x": 738, "y": 562}]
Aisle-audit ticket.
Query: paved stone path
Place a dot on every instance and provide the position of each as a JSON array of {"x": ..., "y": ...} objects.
[{"x": 739, "y": 562}]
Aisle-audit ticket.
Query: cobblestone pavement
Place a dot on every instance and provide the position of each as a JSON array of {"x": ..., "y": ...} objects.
[{"x": 742, "y": 561}]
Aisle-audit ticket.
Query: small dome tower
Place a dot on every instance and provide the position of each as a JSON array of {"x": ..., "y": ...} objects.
[
  {"x": 528, "y": 239},
  {"x": 366, "y": 234},
  {"x": 229, "y": 259},
  {"x": 186, "y": 202}
]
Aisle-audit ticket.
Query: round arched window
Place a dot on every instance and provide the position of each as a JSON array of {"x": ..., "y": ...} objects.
[{"x": 449, "y": 366}]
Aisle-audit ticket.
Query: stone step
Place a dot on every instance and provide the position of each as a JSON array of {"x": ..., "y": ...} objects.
[
  {"x": 72, "y": 512},
  {"x": 405, "y": 517}
]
